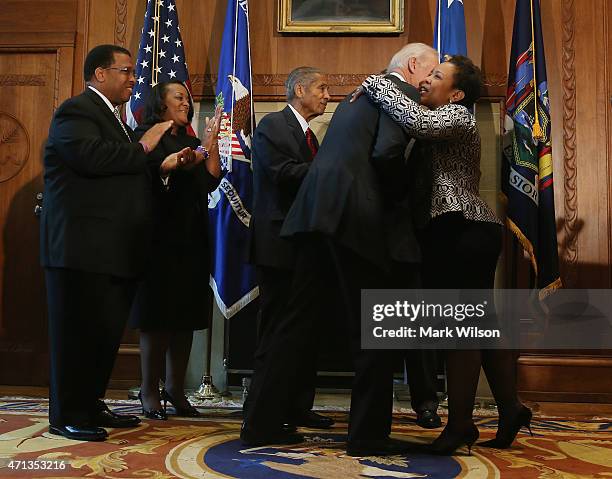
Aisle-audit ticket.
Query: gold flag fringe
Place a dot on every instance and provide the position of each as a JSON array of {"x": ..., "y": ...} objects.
[{"x": 528, "y": 247}]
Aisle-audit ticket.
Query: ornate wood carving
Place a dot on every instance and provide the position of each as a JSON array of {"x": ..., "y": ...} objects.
[
  {"x": 201, "y": 82},
  {"x": 14, "y": 146},
  {"x": 56, "y": 80},
  {"x": 570, "y": 247},
  {"x": 268, "y": 79},
  {"x": 495, "y": 80},
  {"x": 120, "y": 22},
  {"x": 22, "y": 80}
]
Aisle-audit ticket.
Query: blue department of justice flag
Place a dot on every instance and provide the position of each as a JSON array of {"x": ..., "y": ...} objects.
[
  {"x": 449, "y": 29},
  {"x": 233, "y": 280},
  {"x": 527, "y": 167},
  {"x": 161, "y": 56}
]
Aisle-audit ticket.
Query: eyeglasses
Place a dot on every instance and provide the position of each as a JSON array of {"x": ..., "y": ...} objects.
[{"x": 125, "y": 70}]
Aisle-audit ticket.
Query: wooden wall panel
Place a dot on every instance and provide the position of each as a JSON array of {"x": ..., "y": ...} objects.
[
  {"x": 588, "y": 265},
  {"x": 566, "y": 378},
  {"x": 25, "y": 107},
  {"x": 607, "y": 58},
  {"x": 36, "y": 68},
  {"x": 38, "y": 16}
]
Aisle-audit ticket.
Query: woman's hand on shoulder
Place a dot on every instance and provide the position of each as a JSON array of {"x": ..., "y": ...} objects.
[{"x": 368, "y": 84}]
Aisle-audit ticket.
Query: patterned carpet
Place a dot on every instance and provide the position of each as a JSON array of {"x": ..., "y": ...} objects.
[{"x": 209, "y": 448}]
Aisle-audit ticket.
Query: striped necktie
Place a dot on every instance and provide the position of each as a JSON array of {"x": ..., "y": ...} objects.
[
  {"x": 118, "y": 116},
  {"x": 312, "y": 142}
]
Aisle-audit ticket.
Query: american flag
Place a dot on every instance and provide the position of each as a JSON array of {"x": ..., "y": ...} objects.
[{"x": 161, "y": 56}]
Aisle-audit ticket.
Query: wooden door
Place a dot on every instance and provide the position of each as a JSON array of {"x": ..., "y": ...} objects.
[{"x": 30, "y": 90}]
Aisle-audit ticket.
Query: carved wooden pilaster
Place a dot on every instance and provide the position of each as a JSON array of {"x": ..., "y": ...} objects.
[
  {"x": 120, "y": 22},
  {"x": 570, "y": 246},
  {"x": 56, "y": 79}
]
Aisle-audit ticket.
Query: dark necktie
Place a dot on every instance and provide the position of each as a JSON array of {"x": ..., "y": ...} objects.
[{"x": 312, "y": 142}]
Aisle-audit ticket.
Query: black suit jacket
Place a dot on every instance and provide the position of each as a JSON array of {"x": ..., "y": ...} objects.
[
  {"x": 180, "y": 211},
  {"x": 281, "y": 159},
  {"x": 97, "y": 200},
  {"x": 354, "y": 184},
  {"x": 406, "y": 183}
]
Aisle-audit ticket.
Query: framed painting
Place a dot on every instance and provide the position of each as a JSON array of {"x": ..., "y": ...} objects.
[{"x": 341, "y": 16}]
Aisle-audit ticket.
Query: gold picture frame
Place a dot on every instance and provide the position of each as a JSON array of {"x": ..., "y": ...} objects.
[{"x": 341, "y": 16}]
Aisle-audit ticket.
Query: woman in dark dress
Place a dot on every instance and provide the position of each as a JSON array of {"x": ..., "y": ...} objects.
[
  {"x": 462, "y": 243},
  {"x": 174, "y": 298}
]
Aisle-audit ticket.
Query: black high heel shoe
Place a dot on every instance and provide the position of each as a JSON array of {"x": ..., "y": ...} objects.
[
  {"x": 159, "y": 414},
  {"x": 507, "y": 430},
  {"x": 448, "y": 442},
  {"x": 183, "y": 411}
]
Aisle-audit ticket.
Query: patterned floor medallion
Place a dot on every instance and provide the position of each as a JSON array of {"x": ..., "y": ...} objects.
[
  {"x": 209, "y": 448},
  {"x": 321, "y": 456}
]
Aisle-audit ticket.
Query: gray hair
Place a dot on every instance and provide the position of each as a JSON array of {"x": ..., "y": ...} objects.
[
  {"x": 300, "y": 76},
  {"x": 417, "y": 50}
]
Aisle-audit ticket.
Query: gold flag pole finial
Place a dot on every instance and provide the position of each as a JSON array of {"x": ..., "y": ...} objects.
[{"x": 537, "y": 132}]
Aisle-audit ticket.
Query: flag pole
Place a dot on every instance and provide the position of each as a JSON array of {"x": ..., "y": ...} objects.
[
  {"x": 155, "y": 57},
  {"x": 248, "y": 22},
  {"x": 537, "y": 132},
  {"x": 439, "y": 33},
  {"x": 206, "y": 389}
]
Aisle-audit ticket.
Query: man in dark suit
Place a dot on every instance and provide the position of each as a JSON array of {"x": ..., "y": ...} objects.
[
  {"x": 353, "y": 198},
  {"x": 95, "y": 233},
  {"x": 407, "y": 184},
  {"x": 283, "y": 149}
]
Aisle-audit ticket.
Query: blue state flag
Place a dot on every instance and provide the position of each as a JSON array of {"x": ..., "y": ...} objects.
[
  {"x": 232, "y": 279},
  {"x": 449, "y": 29},
  {"x": 527, "y": 165}
]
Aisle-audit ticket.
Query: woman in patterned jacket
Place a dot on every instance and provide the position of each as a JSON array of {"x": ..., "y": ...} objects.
[{"x": 462, "y": 243}]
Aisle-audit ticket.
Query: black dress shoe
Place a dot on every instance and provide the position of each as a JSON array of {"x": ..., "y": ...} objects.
[
  {"x": 251, "y": 439},
  {"x": 80, "y": 433},
  {"x": 313, "y": 420},
  {"x": 509, "y": 428},
  {"x": 110, "y": 419},
  {"x": 377, "y": 447},
  {"x": 187, "y": 410},
  {"x": 104, "y": 417},
  {"x": 157, "y": 414},
  {"x": 449, "y": 441},
  {"x": 428, "y": 419}
]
